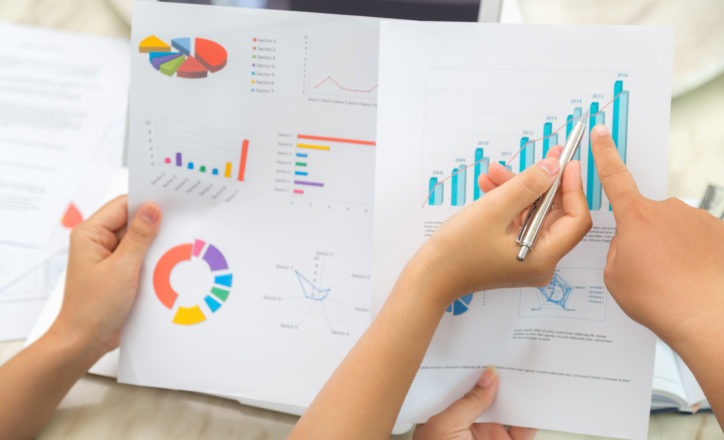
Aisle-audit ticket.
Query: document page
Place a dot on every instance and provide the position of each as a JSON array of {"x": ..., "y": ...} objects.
[
  {"x": 254, "y": 131},
  {"x": 62, "y": 98},
  {"x": 455, "y": 98}
]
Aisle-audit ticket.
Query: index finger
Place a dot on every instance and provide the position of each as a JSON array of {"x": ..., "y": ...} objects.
[{"x": 616, "y": 180}]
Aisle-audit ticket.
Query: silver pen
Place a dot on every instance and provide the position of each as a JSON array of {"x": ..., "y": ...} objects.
[{"x": 541, "y": 207}]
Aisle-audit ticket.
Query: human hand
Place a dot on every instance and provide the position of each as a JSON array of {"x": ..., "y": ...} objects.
[
  {"x": 103, "y": 270},
  {"x": 476, "y": 248},
  {"x": 665, "y": 265},
  {"x": 457, "y": 422}
]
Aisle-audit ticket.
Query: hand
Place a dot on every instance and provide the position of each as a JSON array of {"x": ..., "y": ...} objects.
[
  {"x": 457, "y": 422},
  {"x": 665, "y": 266},
  {"x": 103, "y": 271},
  {"x": 476, "y": 248}
]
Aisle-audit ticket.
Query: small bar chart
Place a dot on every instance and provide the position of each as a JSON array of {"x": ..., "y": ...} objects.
[
  {"x": 451, "y": 187},
  {"x": 319, "y": 166},
  {"x": 199, "y": 150}
]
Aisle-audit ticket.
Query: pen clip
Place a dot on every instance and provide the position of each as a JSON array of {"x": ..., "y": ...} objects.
[{"x": 526, "y": 222}]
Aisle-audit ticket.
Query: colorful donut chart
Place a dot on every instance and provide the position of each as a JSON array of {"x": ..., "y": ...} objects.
[{"x": 218, "y": 293}]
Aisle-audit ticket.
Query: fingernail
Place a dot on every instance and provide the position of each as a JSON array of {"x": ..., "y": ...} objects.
[
  {"x": 149, "y": 214},
  {"x": 600, "y": 130},
  {"x": 488, "y": 377},
  {"x": 550, "y": 165}
]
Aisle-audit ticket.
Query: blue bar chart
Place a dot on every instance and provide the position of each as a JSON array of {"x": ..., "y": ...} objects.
[{"x": 454, "y": 186}]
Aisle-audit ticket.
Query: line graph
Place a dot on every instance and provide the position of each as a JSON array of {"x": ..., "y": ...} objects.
[
  {"x": 309, "y": 290},
  {"x": 341, "y": 87}
]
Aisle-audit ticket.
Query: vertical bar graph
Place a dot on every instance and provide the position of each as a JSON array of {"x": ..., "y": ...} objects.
[
  {"x": 547, "y": 130},
  {"x": 482, "y": 164},
  {"x": 527, "y": 154},
  {"x": 593, "y": 182}
]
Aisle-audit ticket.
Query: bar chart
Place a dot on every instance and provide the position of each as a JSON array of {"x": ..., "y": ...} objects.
[
  {"x": 193, "y": 150},
  {"x": 456, "y": 185},
  {"x": 320, "y": 166}
]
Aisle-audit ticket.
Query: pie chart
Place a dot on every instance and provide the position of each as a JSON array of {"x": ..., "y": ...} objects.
[
  {"x": 185, "y": 57},
  {"x": 460, "y": 305}
]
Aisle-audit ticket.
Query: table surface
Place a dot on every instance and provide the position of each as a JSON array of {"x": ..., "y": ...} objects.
[{"x": 98, "y": 407}]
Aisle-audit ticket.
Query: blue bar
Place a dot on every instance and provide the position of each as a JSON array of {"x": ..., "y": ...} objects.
[
  {"x": 527, "y": 153},
  {"x": 619, "y": 123},
  {"x": 454, "y": 186},
  {"x": 462, "y": 184},
  {"x": 438, "y": 194},
  {"x": 301, "y": 173},
  {"x": 191, "y": 165},
  {"x": 577, "y": 114},
  {"x": 301, "y": 154},
  {"x": 554, "y": 139},
  {"x": 547, "y": 129},
  {"x": 478, "y": 171},
  {"x": 433, "y": 183},
  {"x": 215, "y": 171},
  {"x": 593, "y": 182}
]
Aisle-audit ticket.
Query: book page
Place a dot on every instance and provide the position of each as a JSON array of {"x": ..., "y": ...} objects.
[
  {"x": 254, "y": 131},
  {"x": 455, "y": 98},
  {"x": 667, "y": 381}
]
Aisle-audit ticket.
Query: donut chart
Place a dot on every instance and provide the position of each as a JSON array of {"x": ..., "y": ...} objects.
[
  {"x": 218, "y": 292},
  {"x": 460, "y": 305},
  {"x": 208, "y": 56}
]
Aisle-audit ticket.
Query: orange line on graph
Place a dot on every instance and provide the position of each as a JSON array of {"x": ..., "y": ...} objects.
[
  {"x": 346, "y": 89},
  {"x": 531, "y": 141},
  {"x": 331, "y": 139}
]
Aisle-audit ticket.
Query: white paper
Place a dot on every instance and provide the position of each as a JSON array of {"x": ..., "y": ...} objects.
[
  {"x": 300, "y": 263},
  {"x": 578, "y": 364},
  {"x": 62, "y": 96}
]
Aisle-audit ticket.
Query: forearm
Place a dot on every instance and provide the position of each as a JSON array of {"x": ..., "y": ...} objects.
[
  {"x": 364, "y": 395},
  {"x": 700, "y": 345},
  {"x": 34, "y": 381}
]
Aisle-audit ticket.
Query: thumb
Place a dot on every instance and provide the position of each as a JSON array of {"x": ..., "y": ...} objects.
[
  {"x": 521, "y": 191},
  {"x": 464, "y": 412},
  {"x": 140, "y": 233}
]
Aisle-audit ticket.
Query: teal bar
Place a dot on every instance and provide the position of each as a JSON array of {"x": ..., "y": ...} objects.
[
  {"x": 433, "y": 182},
  {"x": 438, "y": 194},
  {"x": 478, "y": 170},
  {"x": 577, "y": 113},
  {"x": 593, "y": 182},
  {"x": 621, "y": 140},
  {"x": 547, "y": 129},
  {"x": 462, "y": 185},
  {"x": 526, "y": 153},
  {"x": 554, "y": 139},
  {"x": 454, "y": 188}
]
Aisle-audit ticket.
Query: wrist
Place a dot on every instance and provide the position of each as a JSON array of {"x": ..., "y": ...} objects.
[
  {"x": 696, "y": 337},
  {"x": 428, "y": 276},
  {"x": 75, "y": 343}
]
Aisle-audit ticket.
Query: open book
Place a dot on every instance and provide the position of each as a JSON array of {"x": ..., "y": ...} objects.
[{"x": 675, "y": 387}]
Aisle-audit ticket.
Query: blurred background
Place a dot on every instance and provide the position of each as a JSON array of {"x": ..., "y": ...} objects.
[{"x": 696, "y": 144}]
